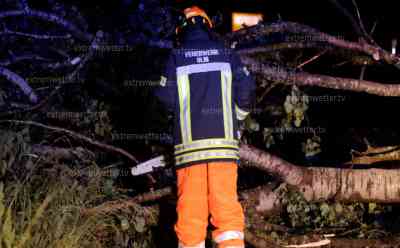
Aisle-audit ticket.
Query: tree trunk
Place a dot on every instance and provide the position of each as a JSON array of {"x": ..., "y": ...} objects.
[{"x": 377, "y": 185}]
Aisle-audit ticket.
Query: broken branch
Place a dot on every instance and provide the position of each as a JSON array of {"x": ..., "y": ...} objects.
[{"x": 77, "y": 136}]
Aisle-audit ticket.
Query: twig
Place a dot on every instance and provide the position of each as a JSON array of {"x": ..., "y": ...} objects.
[
  {"x": 368, "y": 36},
  {"x": 362, "y": 73},
  {"x": 356, "y": 26},
  {"x": 364, "y": 67},
  {"x": 311, "y": 59},
  {"x": 266, "y": 91}
]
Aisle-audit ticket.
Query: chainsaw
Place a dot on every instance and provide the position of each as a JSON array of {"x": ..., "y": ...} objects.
[{"x": 149, "y": 166}]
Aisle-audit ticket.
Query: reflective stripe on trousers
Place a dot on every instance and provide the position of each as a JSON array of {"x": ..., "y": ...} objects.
[{"x": 228, "y": 235}]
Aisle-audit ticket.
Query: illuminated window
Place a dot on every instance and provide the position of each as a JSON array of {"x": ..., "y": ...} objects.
[{"x": 248, "y": 19}]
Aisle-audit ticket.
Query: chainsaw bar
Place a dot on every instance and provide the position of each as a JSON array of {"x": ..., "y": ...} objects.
[{"x": 148, "y": 166}]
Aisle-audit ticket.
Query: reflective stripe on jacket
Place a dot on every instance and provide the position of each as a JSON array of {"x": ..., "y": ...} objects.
[{"x": 208, "y": 89}]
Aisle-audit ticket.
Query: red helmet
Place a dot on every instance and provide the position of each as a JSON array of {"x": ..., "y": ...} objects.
[{"x": 196, "y": 11}]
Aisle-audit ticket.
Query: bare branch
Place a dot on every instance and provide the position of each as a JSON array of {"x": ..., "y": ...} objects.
[
  {"x": 376, "y": 154},
  {"x": 279, "y": 46},
  {"x": 50, "y": 18},
  {"x": 357, "y": 26},
  {"x": 367, "y": 35},
  {"x": 287, "y": 76},
  {"x": 72, "y": 76},
  {"x": 20, "y": 82},
  {"x": 76, "y": 135},
  {"x": 36, "y": 36},
  {"x": 305, "y": 34},
  {"x": 17, "y": 59},
  {"x": 352, "y": 58},
  {"x": 391, "y": 156}
]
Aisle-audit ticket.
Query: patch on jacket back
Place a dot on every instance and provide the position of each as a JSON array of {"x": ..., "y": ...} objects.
[{"x": 197, "y": 53}]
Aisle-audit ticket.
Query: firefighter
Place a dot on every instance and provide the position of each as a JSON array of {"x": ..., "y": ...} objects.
[{"x": 209, "y": 91}]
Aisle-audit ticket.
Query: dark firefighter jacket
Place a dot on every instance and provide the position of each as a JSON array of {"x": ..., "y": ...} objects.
[{"x": 208, "y": 89}]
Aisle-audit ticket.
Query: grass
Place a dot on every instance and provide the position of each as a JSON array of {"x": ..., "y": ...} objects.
[{"x": 41, "y": 204}]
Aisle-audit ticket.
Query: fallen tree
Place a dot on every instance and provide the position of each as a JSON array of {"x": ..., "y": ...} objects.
[{"x": 378, "y": 185}]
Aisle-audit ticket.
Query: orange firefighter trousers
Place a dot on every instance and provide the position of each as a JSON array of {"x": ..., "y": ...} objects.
[{"x": 209, "y": 188}]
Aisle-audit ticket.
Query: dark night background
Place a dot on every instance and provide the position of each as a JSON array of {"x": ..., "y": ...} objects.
[{"x": 141, "y": 24}]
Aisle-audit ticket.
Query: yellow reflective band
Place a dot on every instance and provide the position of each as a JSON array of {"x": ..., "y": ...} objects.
[
  {"x": 203, "y": 155},
  {"x": 188, "y": 113},
  {"x": 240, "y": 113},
  {"x": 207, "y": 147},
  {"x": 228, "y": 76},
  {"x": 184, "y": 106},
  {"x": 226, "y": 84},
  {"x": 206, "y": 143},
  {"x": 181, "y": 95},
  {"x": 223, "y": 91}
]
